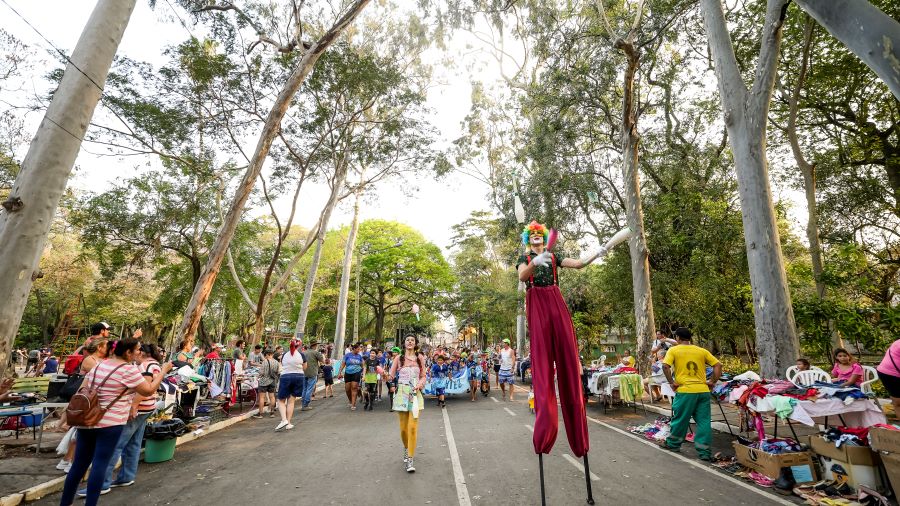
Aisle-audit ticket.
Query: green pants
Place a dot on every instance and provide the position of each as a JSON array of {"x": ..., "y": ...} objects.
[{"x": 684, "y": 407}]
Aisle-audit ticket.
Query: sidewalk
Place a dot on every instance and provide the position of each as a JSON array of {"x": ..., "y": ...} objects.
[{"x": 26, "y": 476}]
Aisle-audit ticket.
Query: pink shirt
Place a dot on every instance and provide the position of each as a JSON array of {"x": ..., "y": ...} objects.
[
  {"x": 889, "y": 366},
  {"x": 149, "y": 403},
  {"x": 127, "y": 377},
  {"x": 840, "y": 375}
]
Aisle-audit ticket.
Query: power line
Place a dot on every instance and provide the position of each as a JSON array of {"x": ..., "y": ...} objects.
[
  {"x": 61, "y": 53},
  {"x": 181, "y": 20}
]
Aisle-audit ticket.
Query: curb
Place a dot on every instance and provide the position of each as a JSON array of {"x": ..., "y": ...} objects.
[{"x": 55, "y": 485}]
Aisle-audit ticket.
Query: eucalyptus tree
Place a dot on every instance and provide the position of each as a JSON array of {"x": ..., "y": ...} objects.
[
  {"x": 308, "y": 51},
  {"x": 29, "y": 208}
]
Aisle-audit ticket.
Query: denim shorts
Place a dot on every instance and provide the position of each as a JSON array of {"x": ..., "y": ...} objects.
[{"x": 290, "y": 385}]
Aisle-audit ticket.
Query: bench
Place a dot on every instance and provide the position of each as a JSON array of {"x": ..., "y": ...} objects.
[{"x": 20, "y": 386}]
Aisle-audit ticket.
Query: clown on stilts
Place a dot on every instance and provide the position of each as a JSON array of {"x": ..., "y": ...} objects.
[{"x": 553, "y": 345}]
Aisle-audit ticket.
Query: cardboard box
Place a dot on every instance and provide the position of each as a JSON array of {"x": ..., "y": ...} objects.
[
  {"x": 862, "y": 455},
  {"x": 770, "y": 464},
  {"x": 885, "y": 440},
  {"x": 887, "y": 443}
]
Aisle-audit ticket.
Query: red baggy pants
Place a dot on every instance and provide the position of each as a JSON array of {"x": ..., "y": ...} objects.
[{"x": 553, "y": 342}]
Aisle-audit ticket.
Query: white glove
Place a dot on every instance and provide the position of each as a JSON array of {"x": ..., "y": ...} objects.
[{"x": 542, "y": 260}]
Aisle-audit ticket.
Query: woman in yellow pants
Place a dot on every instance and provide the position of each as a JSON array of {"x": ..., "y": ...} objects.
[{"x": 409, "y": 368}]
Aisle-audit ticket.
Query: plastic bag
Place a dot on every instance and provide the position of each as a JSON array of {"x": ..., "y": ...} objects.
[
  {"x": 165, "y": 429},
  {"x": 63, "y": 447}
]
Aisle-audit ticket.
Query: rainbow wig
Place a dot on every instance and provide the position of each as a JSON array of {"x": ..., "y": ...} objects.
[{"x": 534, "y": 228}]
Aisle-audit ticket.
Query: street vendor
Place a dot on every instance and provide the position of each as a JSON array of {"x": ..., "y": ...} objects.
[{"x": 692, "y": 399}]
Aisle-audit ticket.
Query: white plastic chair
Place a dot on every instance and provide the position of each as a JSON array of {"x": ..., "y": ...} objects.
[
  {"x": 790, "y": 373},
  {"x": 806, "y": 378},
  {"x": 870, "y": 375}
]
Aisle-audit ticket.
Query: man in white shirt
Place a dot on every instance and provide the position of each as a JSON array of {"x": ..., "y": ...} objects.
[{"x": 506, "y": 376}]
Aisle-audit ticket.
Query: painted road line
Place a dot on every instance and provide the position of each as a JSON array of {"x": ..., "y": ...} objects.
[
  {"x": 494, "y": 399},
  {"x": 529, "y": 427},
  {"x": 578, "y": 465},
  {"x": 698, "y": 465},
  {"x": 509, "y": 411},
  {"x": 462, "y": 492}
]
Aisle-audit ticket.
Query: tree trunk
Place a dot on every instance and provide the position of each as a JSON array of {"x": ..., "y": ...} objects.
[
  {"x": 337, "y": 184},
  {"x": 745, "y": 119},
  {"x": 344, "y": 296},
  {"x": 637, "y": 245},
  {"x": 272, "y": 125},
  {"x": 870, "y": 34},
  {"x": 808, "y": 171},
  {"x": 32, "y": 203}
]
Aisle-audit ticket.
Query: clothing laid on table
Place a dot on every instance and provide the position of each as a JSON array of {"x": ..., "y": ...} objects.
[
  {"x": 553, "y": 347},
  {"x": 783, "y": 406},
  {"x": 631, "y": 387},
  {"x": 841, "y": 375},
  {"x": 689, "y": 364}
]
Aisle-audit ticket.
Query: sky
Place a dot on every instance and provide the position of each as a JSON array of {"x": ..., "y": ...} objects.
[{"x": 432, "y": 209}]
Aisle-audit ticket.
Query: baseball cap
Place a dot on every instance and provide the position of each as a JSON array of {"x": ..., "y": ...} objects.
[
  {"x": 395, "y": 349},
  {"x": 506, "y": 341},
  {"x": 219, "y": 345},
  {"x": 99, "y": 327}
]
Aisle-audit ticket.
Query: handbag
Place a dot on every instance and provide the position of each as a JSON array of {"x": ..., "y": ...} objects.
[
  {"x": 73, "y": 383},
  {"x": 84, "y": 408}
]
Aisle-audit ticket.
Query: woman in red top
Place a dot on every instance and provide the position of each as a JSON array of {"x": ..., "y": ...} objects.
[{"x": 95, "y": 445}]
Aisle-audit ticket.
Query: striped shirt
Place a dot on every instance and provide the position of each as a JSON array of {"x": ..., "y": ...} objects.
[
  {"x": 149, "y": 403},
  {"x": 126, "y": 377}
]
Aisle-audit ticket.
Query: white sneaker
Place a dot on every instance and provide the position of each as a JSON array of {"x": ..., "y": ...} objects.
[
  {"x": 67, "y": 468},
  {"x": 289, "y": 426},
  {"x": 410, "y": 468},
  {"x": 61, "y": 466},
  {"x": 281, "y": 426}
]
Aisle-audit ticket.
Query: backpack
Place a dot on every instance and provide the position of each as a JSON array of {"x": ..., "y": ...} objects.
[{"x": 84, "y": 408}]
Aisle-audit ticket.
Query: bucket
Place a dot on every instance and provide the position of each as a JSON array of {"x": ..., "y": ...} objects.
[{"x": 159, "y": 450}]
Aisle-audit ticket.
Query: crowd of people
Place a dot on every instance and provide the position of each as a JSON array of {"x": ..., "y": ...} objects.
[{"x": 125, "y": 373}]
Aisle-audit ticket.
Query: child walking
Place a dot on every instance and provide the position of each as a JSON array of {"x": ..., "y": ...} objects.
[
  {"x": 328, "y": 375},
  {"x": 370, "y": 378},
  {"x": 439, "y": 373}
]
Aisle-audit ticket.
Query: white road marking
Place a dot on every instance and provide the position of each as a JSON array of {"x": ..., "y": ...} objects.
[
  {"x": 529, "y": 427},
  {"x": 578, "y": 465},
  {"x": 462, "y": 492},
  {"x": 698, "y": 465},
  {"x": 510, "y": 412},
  {"x": 494, "y": 399}
]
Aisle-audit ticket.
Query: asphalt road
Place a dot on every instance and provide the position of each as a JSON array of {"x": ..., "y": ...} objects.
[{"x": 472, "y": 453}]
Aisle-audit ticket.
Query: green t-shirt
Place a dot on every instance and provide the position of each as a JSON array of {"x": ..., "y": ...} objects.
[{"x": 543, "y": 276}]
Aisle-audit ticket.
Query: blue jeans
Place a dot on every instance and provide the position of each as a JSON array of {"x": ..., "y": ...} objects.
[
  {"x": 129, "y": 448},
  {"x": 309, "y": 388},
  {"x": 92, "y": 446}
]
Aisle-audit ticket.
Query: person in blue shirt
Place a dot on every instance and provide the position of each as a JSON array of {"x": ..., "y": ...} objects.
[
  {"x": 51, "y": 365},
  {"x": 351, "y": 372},
  {"x": 472, "y": 365},
  {"x": 439, "y": 373}
]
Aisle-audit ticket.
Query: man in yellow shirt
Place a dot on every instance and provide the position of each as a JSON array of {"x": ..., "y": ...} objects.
[{"x": 691, "y": 392}]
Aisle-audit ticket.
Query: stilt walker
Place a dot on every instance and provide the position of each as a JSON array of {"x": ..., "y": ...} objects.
[{"x": 553, "y": 345}]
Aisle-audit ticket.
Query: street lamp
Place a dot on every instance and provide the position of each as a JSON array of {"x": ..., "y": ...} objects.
[{"x": 359, "y": 257}]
